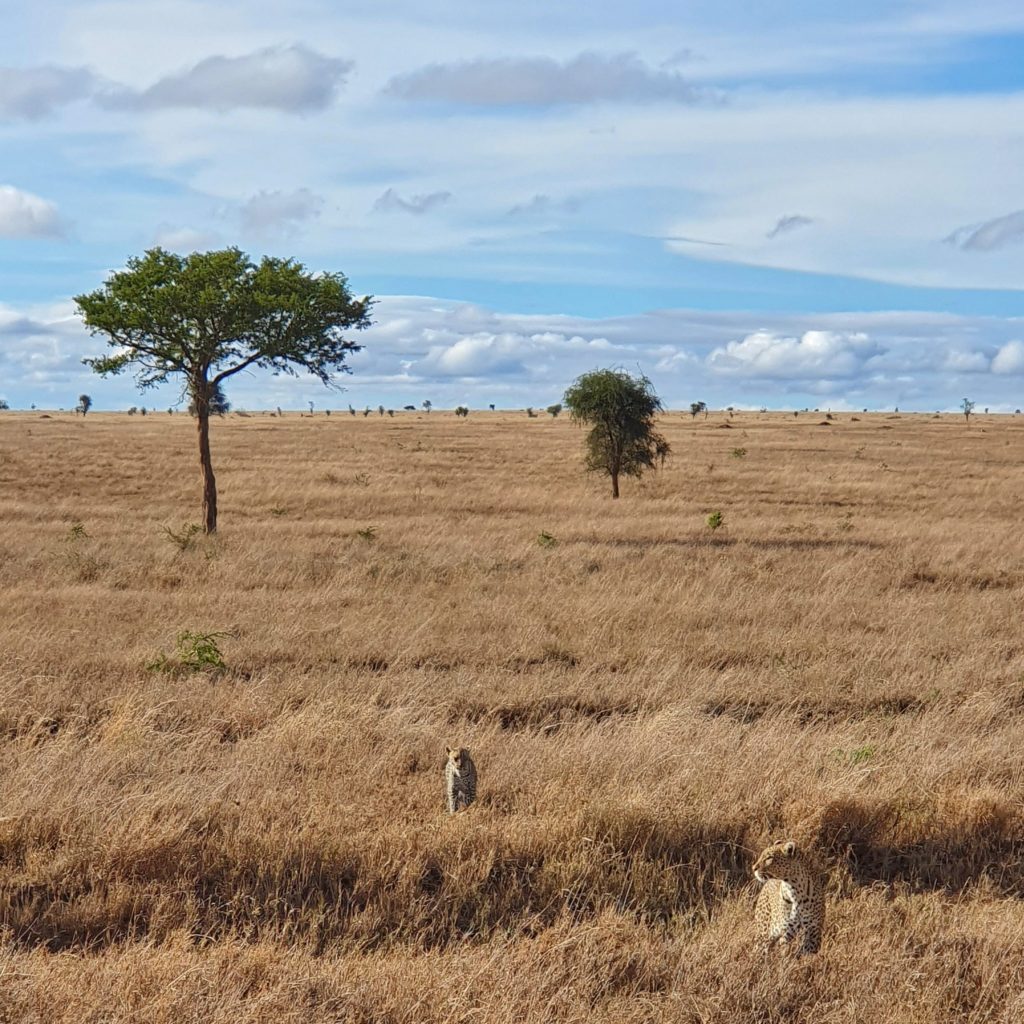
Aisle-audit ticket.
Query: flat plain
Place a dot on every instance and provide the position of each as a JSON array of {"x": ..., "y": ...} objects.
[{"x": 648, "y": 701}]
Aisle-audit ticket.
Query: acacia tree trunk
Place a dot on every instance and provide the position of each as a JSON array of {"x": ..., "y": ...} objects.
[
  {"x": 201, "y": 397},
  {"x": 615, "y": 484}
]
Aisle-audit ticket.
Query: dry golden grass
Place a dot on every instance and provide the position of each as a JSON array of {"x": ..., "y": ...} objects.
[{"x": 648, "y": 704}]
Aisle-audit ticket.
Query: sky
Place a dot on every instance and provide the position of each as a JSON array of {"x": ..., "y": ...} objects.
[{"x": 755, "y": 203}]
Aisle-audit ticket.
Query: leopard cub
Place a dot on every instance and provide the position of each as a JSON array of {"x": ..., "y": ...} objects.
[{"x": 459, "y": 779}]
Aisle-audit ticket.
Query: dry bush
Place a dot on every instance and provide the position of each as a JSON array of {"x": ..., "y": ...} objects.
[{"x": 648, "y": 704}]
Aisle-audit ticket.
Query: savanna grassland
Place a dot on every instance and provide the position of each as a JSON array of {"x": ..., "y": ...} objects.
[{"x": 649, "y": 702}]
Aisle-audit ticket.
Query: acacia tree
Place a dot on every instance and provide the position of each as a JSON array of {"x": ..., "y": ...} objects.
[
  {"x": 84, "y": 404},
  {"x": 620, "y": 410},
  {"x": 219, "y": 404},
  {"x": 204, "y": 317},
  {"x": 968, "y": 407}
]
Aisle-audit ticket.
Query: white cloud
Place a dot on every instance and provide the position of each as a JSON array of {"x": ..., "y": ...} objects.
[
  {"x": 541, "y": 205},
  {"x": 543, "y": 81},
  {"x": 391, "y": 200},
  {"x": 292, "y": 79},
  {"x": 24, "y": 215},
  {"x": 186, "y": 240},
  {"x": 35, "y": 92},
  {"x": 1009, "y": 360},
  {"x": 815, "y": 354},
  {"x": 279, "y": 213}
]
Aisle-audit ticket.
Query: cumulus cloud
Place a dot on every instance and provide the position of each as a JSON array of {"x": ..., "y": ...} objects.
[
  {"x": 791, "y": 222},
  {"x": 390, "y": 200},
  {"x": 35, "y": 92},
  {"x": 485, "y": 353},
  {"x": 1009, "y": 360},
  {"x": 543, "y": 81},
  {"x": 292, "y": 79},
  {"x": 817, "y": 354},
  {"x": 279, "y": 213},
  {"x": 542, "y": 205},
  {"x": 992, "y": 234},
  {"x": 24, "y": 215}
]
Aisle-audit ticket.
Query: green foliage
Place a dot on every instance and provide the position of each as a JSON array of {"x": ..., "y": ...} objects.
[
  {"x": 697, "y": 407},
  {"x": 620, "y": 411},
  {"x": 368, "y": 533},
  {"x": 84, "y": 404},
  {"x": 739, "y": 453},
  {"x": 218, "y": 402},
  {"x": 4, "y": 405},
  {"x": 715, "y": 520},
  {"x": 462, "y": 411},
  {"x": 545, "y": 540},
  {"x": 968, "y": 407},
  {"x": 195, "y": 652},
  {"x": 185, "y": 538},
  {"x": 428, "y": 404},
  {"x": 219, "y": 313},
  {"x": 554, "y": 410}
]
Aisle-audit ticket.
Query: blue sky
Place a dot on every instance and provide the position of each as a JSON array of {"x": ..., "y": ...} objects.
[{"x": 757, "y": 203}]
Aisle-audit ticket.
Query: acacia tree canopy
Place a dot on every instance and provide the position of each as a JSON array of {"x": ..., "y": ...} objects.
[
  {"x": 207, "y": 316},
  {"x": 620, "y": 411}
]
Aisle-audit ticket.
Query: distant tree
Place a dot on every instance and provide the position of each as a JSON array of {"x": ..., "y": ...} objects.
[
  {"x": 4, "y": 405},
  {"x": 133, "y": 410},
  {"x": 351, "y": 410},
  {"x": 986, "y": 410},
  {"x": 219, "y": 404},
  {"x": 310, "y": 408},
  {"x": 366, "y": 412},
  {"x": 380, "y": 410},
  {"x": 491, "y": 407},
  {"x": 620, "y": 411},
  {"x": 461, "y": 410},
  {"x": 428, "y": 404},
  {"x": 391, "y": 412},
  {"x": 968, "y": 407},
  {"x": 530, "y": 412},
  {"x": 554, "y": 410},
  {"x": 84, "y": 404},
  {"x": 170, "y": 410},
  {"x": 279, "y": 413},
  {"x": 142, "y": 410},
  {"x": 206, "y": 316},
  {"x": 409, "y": 408},
  {"x": 697, "y": 407}
]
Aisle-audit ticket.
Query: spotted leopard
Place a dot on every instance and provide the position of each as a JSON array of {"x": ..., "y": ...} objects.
[
  {"x": 791, "y": 902},
  {"x": 459, "y": 779}
]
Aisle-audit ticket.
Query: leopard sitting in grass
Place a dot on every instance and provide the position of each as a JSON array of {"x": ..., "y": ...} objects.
[
  {"x": 791, "y": 902},
  {"x": 459, "y": 779}
]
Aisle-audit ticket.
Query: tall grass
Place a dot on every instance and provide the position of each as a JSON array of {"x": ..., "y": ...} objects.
[{"x": 648, "y": 703}]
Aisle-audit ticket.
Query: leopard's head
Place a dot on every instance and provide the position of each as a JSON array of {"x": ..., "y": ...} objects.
[
  {"x": 776, "y": 861},
  {"x": 457, "y": 757}
]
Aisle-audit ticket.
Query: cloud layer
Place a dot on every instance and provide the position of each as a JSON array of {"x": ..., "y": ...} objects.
[
  {"x": 543, "y": 81},
  {"x": 991, "y": 234}
]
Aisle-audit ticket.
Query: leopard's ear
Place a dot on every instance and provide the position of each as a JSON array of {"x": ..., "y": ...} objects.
[
  {"x": 789, "y": 849},
  {"x": 449, "y": 751}
]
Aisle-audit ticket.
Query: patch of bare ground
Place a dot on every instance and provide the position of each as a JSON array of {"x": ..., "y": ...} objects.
[{"x": 648, "y": 704}]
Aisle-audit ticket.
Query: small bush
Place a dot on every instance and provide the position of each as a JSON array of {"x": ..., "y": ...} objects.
[
  {"x": 739, "y": 453},
  {"x": 715, "y": 520},
  {"x": 367, "y": 533},
  {"x": 196, "y": 652},
  {"x": 545, "y": 540},
  {"x": 185, "y": 538}
]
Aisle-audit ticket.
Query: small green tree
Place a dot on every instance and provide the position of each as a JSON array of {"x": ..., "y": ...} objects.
[
  {"x": 4, "y": 405},
  {"x": 219, "y": 404},
  {"x": 462, "y": 411},
  {"x": 968, "y": 407},
  {"x": 554, "y": 410},
  {"x": 206, "y": 316},
  {"x": 696, "y": 408},
  {"x": 84, "y": 404},
  {"x": 620, "y": 411},
  {"x": 428, "y": 404}
]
